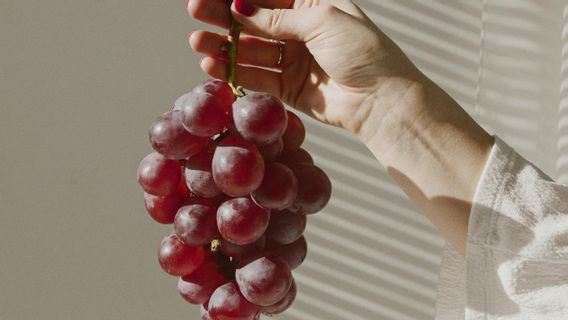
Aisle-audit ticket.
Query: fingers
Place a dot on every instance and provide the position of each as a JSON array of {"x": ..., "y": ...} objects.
[
  {"x": 273, "y": 4},
  {"x": 301, "y": 24},
  {"x": 348, "y": 6},
  {"x": 213, "y": 12},
  {"x": 249, "y": 77},
  {"x": 217, "y": 13},
  {"x": 252, "y": 51}
]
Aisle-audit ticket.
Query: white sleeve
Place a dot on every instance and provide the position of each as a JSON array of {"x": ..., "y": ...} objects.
[{"x": 516, "y": 265}]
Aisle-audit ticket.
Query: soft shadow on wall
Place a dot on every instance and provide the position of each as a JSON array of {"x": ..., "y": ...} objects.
[
  {"x": 371, "y": 254},
  {"x": 519, "y": 77},
  {"x": 562, "y": 162}
]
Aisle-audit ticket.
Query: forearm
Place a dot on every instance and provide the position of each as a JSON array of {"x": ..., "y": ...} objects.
[{"x": 431, "y": 147}]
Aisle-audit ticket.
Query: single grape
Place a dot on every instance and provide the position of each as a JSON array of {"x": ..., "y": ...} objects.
[
  {"x": 285, "y": 227},
  {"x": 198, "y": 286},
  {"x": 168, "y": 137},
  {"x": 177, "y": 258},
  {"x": 314, "y": 189},
  {"x": 158, "y": 175},
  {"x": 265, "y": 280},
  {"x": 278, "y": 189},
  {"x": 220, "y": 89},
  {"x": 199, "y": 176},
  {"x": 238, "y": 167},
  {"x": 204, "y": 312},
  {"x": 294, "y": 135},
  {"x": 228, "y": 303},
  {"x": 240, "y": 252},
  {"x": 283, "y": 304},
  {"x": 196, "y": 224},
  {"x": 163, "y": 209},
  {"x": 241, "y": 221},
  {"x": 259, "y": 118},
  {"x": 203, "y": 115},
  {"x": 298, "y": 156},
  {"x": 270, "y": 152},
  {"x": 179, "y": 101},
  {"x": 294, "y": 253}
]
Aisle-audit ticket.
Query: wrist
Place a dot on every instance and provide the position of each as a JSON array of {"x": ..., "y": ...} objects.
[
  {"x": 393, "y": 105},
  {"x": 417, "y": 128}
]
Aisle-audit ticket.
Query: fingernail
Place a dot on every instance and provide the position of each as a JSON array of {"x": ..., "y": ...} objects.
[
  {"x": 244, "y": 8},
  {"x": 186, "y": 3}
]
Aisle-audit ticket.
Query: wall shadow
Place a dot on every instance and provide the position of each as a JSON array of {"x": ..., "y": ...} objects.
[
  {"x": 562, "y": 161},
  {"x": 372, "y": 254}
]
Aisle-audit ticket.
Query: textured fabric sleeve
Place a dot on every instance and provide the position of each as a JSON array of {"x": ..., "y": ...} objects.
[{"x": 516, "y": 265}]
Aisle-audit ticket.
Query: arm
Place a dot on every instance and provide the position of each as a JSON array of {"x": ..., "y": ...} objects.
[{"x": 433, "y": 150}]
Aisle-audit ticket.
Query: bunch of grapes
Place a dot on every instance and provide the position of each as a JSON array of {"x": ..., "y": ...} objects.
[{"x": 232, "y": 178}]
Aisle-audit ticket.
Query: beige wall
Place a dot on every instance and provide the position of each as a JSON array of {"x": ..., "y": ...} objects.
[{"x": 80, "y": 81}]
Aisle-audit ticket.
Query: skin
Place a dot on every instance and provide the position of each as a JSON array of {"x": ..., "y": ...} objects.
[{"x": 343, "y": 70}]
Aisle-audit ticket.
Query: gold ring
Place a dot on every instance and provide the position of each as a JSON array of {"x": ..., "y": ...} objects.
[{"x": 280, "y": 52}]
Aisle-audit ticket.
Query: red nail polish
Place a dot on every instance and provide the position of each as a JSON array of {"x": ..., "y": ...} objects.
[{"x": 244, "y": 8}]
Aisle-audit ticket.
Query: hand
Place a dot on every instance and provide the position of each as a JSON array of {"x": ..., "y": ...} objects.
[
  {"x": 341, "y": 69},
  {"x": 335, "y": 59}
]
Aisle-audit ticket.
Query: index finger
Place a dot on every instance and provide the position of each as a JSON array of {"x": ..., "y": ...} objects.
[{"x": 217, "y": 13}]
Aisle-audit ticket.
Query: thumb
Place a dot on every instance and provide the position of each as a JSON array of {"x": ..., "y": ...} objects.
[{"x": 284, "y": 24}]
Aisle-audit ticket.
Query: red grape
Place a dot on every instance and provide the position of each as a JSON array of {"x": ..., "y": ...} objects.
[
  {"x": 238, "y": 167},
  {"x": 199, "y": 176},
  {"x": 298, "y": 156},
  {"x": 196, "y": 224},
  {"x": 270, "y": 152},
  {"x": 204, "y": 312},
  {"x": 241, "y": 221},
  {"x": 169, "y": 137},
  {"x": 179, "y": 101},
  {"x": 163, "y": 209},
  {"x": 158, "y": 175},
  {"x": 294, "y": 135},
  {"x": 177, "y": 258},
  {"x": 228, "y": 303},
  {"x": 198, "y": 286},
  {"x": 314, "y": 189},
  {"x": 203, "y": 115},
  {"x": 285, "y": 227},
  {"x": 293, "y": 253},
  {"x": 240, "y": 252},
  {"x": 265, "y": 280},
  {"x": 220, "y": 89},
  {"x": 278, "y": 189},
  {"x": 259, "y": 118},
  {"x": 283, "y": 304}
]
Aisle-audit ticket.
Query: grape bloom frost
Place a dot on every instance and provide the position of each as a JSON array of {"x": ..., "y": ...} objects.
[{"x": 229, "y": 174}]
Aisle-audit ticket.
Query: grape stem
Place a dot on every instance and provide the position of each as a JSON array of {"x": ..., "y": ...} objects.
[
  {"x": 234, "y": 35},
  {"x": 215, "y": 245},
  {"x": 221, "y": 137}
]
